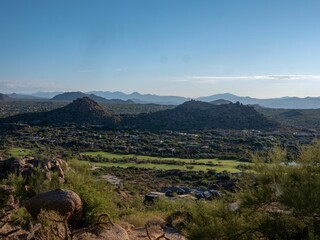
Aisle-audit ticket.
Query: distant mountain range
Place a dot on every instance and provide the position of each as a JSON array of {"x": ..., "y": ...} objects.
[
  {"x": 135, "y": 97},
  {"x": 22, "y": 96},
  {"x": 142, "y": 98},
  {"x": 285, "y": 102},
  {"x": 191, "y": 115},
  {"x": 46, "y": 95},
  {"x": 71, "y": 96}
]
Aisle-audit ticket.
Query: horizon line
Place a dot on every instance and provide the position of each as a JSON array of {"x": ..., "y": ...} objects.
[{"x": 190, "y": 98}]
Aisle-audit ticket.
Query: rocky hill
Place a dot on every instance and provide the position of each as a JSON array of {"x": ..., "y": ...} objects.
[
  {"x": 191, "y": 115},
  {"x": 80, "y": 111},
  {"x": 71, "y": 96},
  {"x": 197, "y": 115}
]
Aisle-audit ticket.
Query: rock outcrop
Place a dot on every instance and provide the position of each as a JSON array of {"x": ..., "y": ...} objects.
[
  {"x": 197, "y": 115},
  {"x": 65, "y": 202},
  {"x": 26, "y": 166}
]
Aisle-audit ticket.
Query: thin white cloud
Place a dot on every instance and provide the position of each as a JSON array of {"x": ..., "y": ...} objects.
[{"x": 274, "y": 78}]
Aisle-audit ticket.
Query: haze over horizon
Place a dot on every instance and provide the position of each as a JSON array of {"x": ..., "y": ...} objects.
[
  {"x": 262, "y": 49},
  {"x": 164, "y": 95}
]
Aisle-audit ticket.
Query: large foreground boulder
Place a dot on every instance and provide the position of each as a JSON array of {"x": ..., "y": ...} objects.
[{"x": 66, "y": 203}]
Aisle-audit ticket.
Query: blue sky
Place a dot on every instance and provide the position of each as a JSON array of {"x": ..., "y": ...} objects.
[{"x": 259, "y": 48}]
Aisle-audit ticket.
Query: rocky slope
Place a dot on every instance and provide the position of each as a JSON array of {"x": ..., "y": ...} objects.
[
  {"x": 197, "y": 115},
  {"x": 80, "y": 111}
]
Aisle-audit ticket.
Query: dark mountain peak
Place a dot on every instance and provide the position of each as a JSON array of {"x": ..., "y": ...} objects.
[
  {"x": 85, "y": 102},
  {"x": 194, "y": 104},
  {"x": 80, "y": 112},
  {"x": 86, "y": 105},
  {"x": 197, "y": 115},
  {"x": 74, "y": 93},
  {"x": 69, "y": 96}
]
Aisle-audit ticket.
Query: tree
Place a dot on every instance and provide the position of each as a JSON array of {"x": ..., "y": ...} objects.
[{"x": 278, "y": 199}]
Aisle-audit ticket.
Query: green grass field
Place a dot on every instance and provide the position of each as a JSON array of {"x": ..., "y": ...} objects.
[
  {"x": 20, "y": 152},
  {"x": 228, "y": 165}
]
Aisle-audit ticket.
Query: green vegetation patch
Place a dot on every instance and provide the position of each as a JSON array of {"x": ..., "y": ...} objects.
[
  {"x": 20, "y": 152},
  {"x": 188, "y": 164},
  {"x": 168, "y": 166}
]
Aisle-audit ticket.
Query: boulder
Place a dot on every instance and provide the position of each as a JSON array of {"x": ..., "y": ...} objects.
[{"x": 65, "y": 202}]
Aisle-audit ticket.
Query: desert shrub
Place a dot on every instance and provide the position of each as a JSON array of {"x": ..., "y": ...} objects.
[
  {"x": 139, "y": 214},
  {"x": 139, "y": 219},
  {"x": 276, "y": 201},
  {"x": 98, "y": 196},
  {"x": 21, "y": 217},
  {"x": 52, "y": 226},
  {"x": 37, "y": 182},
  {"x": 130, "y": 206},
  {"x": 167, "y": 206},
  {"x": 206, "y": 220},
  {"x": 18, "y": 182}
]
